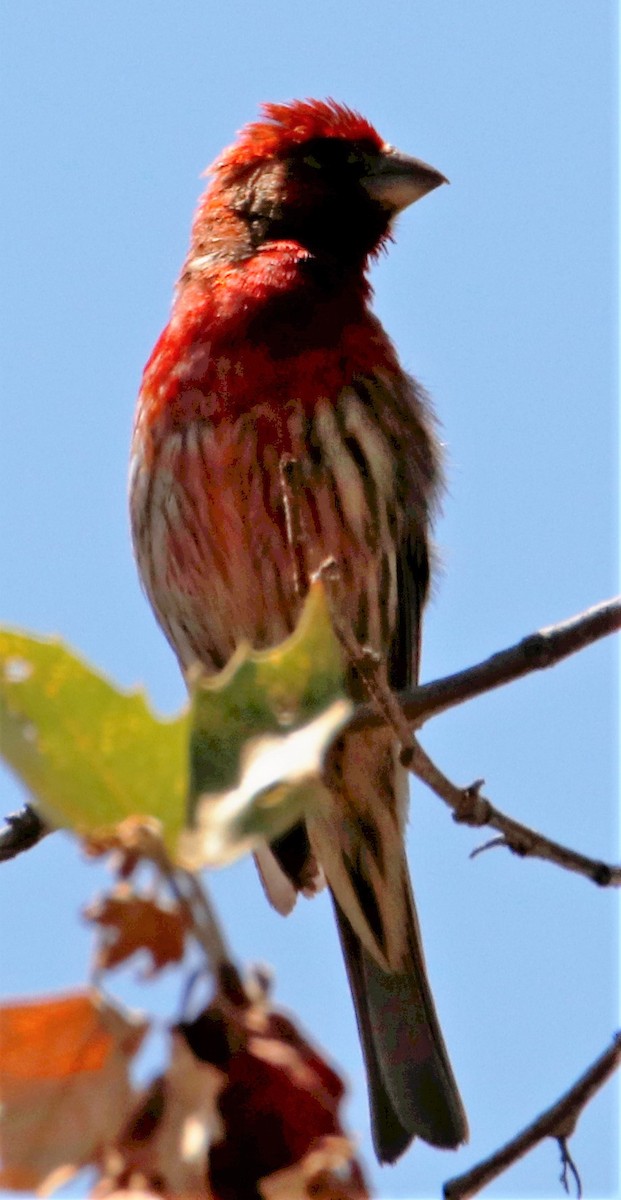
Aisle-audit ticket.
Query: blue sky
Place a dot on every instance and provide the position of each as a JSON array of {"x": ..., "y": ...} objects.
[{"x": 500, "y": 294}]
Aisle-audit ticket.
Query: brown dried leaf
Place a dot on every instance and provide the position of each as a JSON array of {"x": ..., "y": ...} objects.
[
  {"x": 165, "y": 1145},
  {"x": 129, "y": 842},
  {"x": 64, "y": 1084},
  {"x": 328, "y": 1172},
  {"x": 131, "y": 923},
  {"x": 280, "y": 1105}
]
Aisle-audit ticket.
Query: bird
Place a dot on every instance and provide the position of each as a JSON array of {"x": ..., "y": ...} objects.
[{"x": 273, "y": 366}]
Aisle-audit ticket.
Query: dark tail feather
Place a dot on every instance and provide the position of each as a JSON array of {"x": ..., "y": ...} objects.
[{"x": 412, "y": 1090}]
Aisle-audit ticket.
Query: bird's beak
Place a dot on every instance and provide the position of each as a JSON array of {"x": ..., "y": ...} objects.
[{"x": 397, "y": 180}]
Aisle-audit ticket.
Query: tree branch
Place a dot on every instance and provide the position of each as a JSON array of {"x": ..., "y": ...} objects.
[
  {"x": 471, "y": 808},
  {"x": 21, "y": 831},
  {"x": 558, "y": 1122},
  {"x": 533, "y": 653}
]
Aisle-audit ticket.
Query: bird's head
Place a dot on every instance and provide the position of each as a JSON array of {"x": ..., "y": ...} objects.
[{"x": 311, "y": 172}]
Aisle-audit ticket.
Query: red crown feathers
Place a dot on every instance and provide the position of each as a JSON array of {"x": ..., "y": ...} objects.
[{"x": 290, "y": 124}]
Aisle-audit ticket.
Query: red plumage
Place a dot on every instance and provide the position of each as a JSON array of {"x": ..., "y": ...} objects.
[
  {"x": 288, "y": 125},
  {"x": 272, "y": 354}
]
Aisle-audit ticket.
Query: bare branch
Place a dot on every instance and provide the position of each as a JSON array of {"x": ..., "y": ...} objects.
[
  {"x": 533, "y": 653},
  {"x": 21, "y": 831},
  {"x": 558, "y": 1122},
  {"x": 471, "y": 808}
]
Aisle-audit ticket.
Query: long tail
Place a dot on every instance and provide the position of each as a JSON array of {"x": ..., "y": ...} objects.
[
  {"x": 356, "y": 842},
  {"x": 412, "y": 1090},
  {"x": 359, "y": 842}
]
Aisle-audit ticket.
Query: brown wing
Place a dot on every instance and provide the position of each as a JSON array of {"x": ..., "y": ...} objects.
[{"x": 412, "y": 588}]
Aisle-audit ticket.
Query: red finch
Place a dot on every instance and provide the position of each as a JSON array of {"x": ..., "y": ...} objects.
[{"x": 272, "y": 356}]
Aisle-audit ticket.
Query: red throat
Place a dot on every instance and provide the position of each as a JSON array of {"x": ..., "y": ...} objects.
[{"x": 219, "y": 358}]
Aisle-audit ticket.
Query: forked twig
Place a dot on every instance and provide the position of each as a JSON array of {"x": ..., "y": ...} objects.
[{"x": 471, "y": 808}]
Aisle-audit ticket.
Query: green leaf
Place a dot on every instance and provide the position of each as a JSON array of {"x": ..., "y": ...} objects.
[
  {"x": 259, "y": 732},
  {"x": 89, "y": 753},
  {"x": 92, "y": 755}
]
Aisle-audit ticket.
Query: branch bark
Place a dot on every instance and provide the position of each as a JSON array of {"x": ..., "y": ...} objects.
[
  {"x": 559, "y": 1121},
  {"x": 21, "y": 831},
  {"x": 533, "y": 653},
  {"x": 412, "y": 709},
  {"x": 471, "y": 808}
]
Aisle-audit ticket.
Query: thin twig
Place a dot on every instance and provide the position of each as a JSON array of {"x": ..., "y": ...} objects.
[
  {"x": 558, "y": 1121},
  {"x": 193, "y": 898},
  {"x": 533, "y": 653},
  {"x": 471, "y": 808},
  {"x": 568, "y": 1167},
  {"x": 371, "y": 671},
  {"x": 468, "y": 805}
]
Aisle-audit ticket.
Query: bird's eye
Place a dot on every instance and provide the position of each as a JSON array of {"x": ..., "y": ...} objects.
[
  {"x": 311, "y": 161},
  {"x": 352, "y": 158}
]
